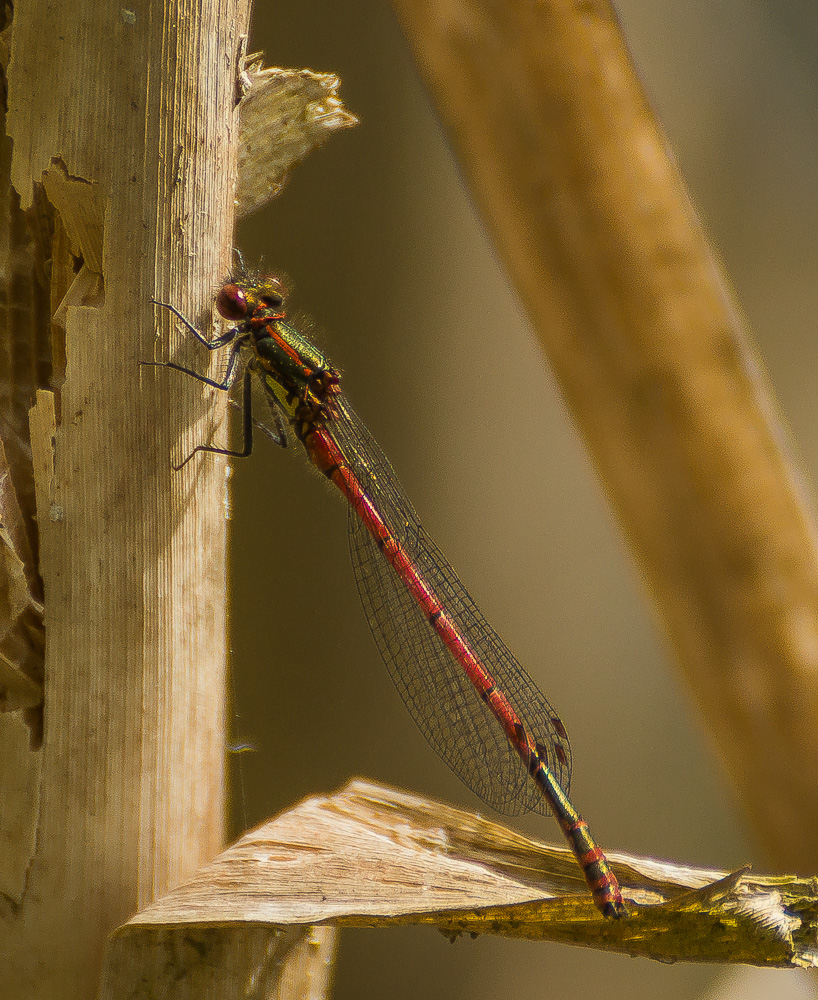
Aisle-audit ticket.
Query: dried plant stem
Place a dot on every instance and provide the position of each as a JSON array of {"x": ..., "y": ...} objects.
[
  {"x": 590, "y": 215},
  {"x": 130, "y": 119}
]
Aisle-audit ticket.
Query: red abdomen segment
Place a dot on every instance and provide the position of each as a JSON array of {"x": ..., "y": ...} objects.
[{"x": 329, "y": 459}]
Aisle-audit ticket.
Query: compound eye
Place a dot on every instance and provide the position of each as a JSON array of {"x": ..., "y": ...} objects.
[
  {"x": 274, "y": 294},
  {"x": 231, "y": 302}
]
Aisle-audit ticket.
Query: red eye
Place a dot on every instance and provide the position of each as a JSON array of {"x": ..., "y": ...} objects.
[{"x": 231, "y": 302}]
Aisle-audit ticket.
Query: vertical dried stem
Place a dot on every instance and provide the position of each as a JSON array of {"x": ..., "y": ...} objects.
[{"x": 130, "y": 119}]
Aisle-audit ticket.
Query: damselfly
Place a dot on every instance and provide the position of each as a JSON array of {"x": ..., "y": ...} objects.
[{"x": 470, "y": 697}]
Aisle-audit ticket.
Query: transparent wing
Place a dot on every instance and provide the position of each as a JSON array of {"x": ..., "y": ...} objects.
[{"x": 435, "y": 688}]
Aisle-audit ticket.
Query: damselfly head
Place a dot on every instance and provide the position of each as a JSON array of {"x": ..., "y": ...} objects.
[{"x": 256, "y": 297}]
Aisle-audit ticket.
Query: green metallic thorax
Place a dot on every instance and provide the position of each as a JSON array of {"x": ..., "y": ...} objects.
[{"x": 288, "y": 362}]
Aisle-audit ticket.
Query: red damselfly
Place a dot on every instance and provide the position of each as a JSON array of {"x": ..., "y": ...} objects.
[{"x": 470, "y": 697}]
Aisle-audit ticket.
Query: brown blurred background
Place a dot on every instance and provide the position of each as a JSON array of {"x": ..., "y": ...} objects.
[{"x": 387, "y": 256}]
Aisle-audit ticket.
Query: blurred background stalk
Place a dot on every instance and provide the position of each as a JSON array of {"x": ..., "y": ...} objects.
[{"x": 388, "y": 256}]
